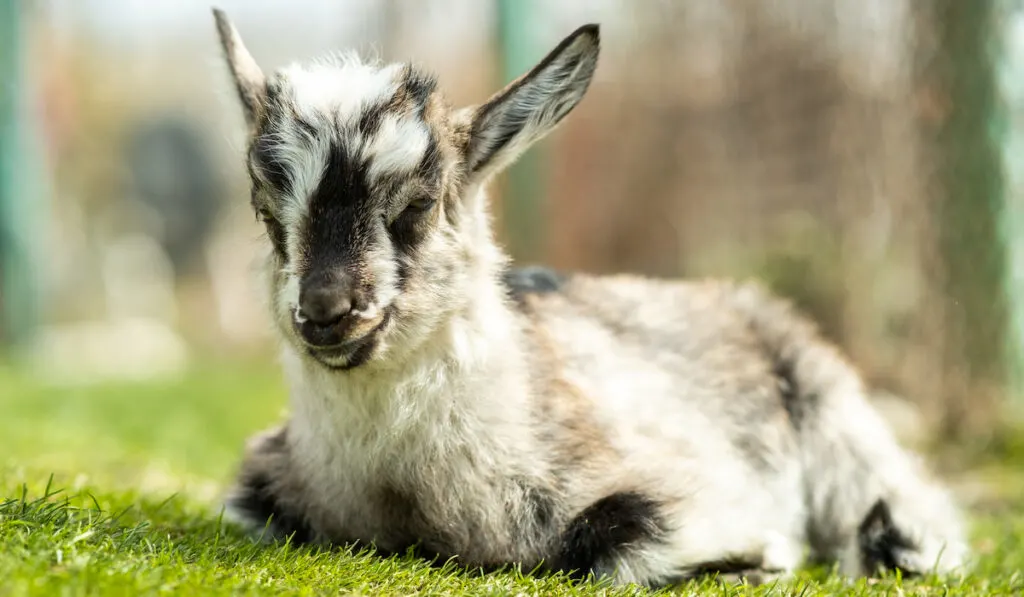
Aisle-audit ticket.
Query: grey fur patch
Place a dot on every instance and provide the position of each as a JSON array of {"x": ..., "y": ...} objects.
[{"x": 525, "y": 281}]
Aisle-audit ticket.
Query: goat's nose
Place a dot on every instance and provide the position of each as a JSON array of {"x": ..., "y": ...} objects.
[
  {"x": 325, "y": 302},
  {"x": 324, "y": 306}
]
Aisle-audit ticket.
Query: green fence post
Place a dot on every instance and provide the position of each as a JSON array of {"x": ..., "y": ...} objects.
[
  {"x": 1010, "y": 66},
  {"x": 525, "y": 187},
  {"x": 971, "y": 212},
  {"x": 20, "y": 199}
]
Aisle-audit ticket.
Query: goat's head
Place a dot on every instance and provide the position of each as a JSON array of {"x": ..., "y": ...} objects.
[{"x": 366, "y": 181}]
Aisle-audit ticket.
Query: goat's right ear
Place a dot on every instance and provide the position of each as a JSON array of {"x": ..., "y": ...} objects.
[
  {"x": 249, "y": 79},
  {"x": 531, "y": 106}
]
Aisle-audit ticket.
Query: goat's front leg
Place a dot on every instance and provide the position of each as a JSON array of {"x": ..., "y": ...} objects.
[{"x": 258, "y": 501}]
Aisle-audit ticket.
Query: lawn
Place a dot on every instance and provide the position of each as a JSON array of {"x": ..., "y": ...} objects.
[{"x": 115, "y": 490}]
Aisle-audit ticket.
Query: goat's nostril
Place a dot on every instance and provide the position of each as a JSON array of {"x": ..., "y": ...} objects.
[
  {"x": 320, "y": 322},
  {"x": 324, "y": 308}
]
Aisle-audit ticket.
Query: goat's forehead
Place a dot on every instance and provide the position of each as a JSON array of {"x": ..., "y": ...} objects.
[
  {"x": 376, "y": 114},
  {"x": 342, "y": 87}
]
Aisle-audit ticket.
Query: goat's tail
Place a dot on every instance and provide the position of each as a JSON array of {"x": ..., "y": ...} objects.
[{"x": 871, "y": 503}]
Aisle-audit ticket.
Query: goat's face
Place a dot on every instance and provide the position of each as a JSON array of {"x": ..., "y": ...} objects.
[{"x": 366, "y": 182}]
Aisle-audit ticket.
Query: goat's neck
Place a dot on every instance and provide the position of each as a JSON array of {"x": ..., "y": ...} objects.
[{"x": 466, "y": 387}]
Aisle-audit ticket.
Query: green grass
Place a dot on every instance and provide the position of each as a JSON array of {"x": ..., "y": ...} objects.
[{"x": 115, "y": 489}]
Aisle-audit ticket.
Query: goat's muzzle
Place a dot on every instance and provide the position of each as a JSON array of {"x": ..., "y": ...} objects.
[{"x": 332, "y": 310}]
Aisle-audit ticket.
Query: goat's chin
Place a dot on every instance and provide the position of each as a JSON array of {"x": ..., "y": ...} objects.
[{"x": 341, "y": 359}]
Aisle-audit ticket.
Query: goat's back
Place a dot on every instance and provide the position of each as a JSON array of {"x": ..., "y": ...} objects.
[{"x": 666, "y": 369}]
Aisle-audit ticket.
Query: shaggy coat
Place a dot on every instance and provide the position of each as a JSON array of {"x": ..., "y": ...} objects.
[{"x": 645, "y": 430}]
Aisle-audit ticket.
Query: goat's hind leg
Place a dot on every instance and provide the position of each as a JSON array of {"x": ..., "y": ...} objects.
[
  {"x": 658, "y": 565},
  {"x": 873, "y": 505},
  {"x": 870, "y": 502},
  {"x": 625, "y": 537},
  {"x": 752, "y": 571},
  {"x": 775, "y": 561}
]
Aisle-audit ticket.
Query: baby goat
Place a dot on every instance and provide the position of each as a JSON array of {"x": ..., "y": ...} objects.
[{"x": 648, "y": 431}]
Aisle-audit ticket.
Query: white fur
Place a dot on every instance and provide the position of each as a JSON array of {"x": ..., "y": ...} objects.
[
  {"x": 305, "y": 158},
  {"x": 340, "y": 88},
  {"x": 331, "y": 95},
  {"x": 416, "y": 418},
  {"x": 397, "y": 147}
]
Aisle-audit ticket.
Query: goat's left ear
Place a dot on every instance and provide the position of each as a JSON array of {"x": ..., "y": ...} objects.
[{"x": 528, "y": 108}]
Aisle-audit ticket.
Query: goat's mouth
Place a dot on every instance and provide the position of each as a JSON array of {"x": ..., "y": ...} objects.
[{"x": 352, "y": 352}]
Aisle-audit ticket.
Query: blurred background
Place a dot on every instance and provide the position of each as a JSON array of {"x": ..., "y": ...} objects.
[{"x": 864, "y": 158}]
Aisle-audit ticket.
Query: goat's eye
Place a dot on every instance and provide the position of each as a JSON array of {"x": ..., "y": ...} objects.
[
  {"x": 420, "y": 204},
  {"x": 263, "y": 215},
  {"x": 274, "y": 229}
]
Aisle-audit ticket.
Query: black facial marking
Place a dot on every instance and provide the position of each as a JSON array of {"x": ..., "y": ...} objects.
[
  {"x": 340, "y": 216},
  {"x": 407, "y": 232},
  {"x": 419, "y": 85},
  {"x": 265, "y": 158},
  {"x": 307, "y": 128},
  {"x": 409, "y": 229},
  {"x": 371, "y": 117},
  {"x": 605, "y": 528},
  {"x": 256, "y": 500},
  {"x": 532, "y": 280},
  {"x": 274, "y": 90},
  {"x": 880, "y": 540},
  {"x": 413, "y": 92},
  {"x": 275, "y": 231},
  {"x": 274, "y": 174},
  {"x": 430, "y": 166},
  {"x": 403, "y": 274}
]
